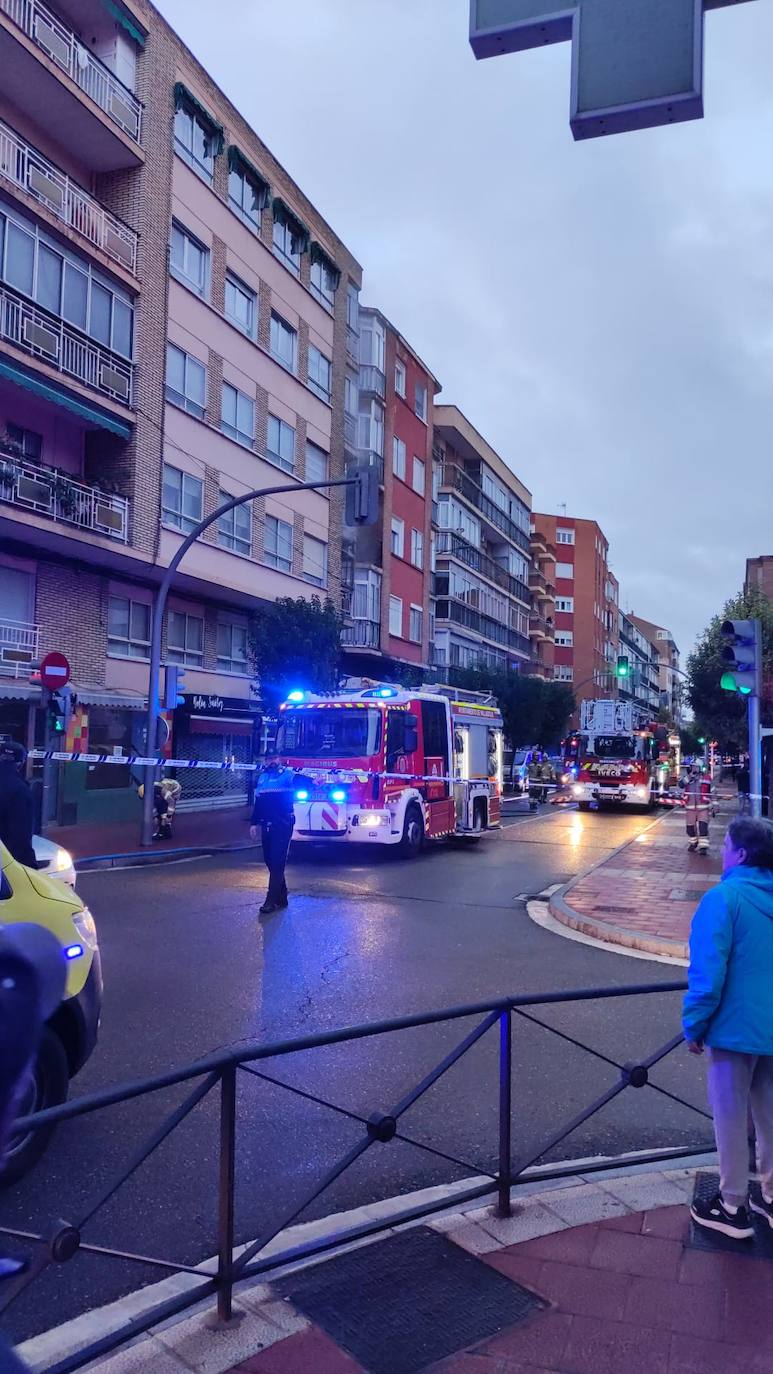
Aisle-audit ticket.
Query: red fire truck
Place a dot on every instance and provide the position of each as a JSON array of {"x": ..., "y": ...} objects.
[
  {"x": 616, "y": 754},
  {"x": 388, "y": 765}
]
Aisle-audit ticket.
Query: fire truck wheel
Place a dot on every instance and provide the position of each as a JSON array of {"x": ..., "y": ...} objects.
[
  {"x": 413, "y": 833},
  {"x": 583, "y": 806}
]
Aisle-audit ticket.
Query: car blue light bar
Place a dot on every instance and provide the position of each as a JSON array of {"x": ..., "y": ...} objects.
[{"x": 296, "y": 695}]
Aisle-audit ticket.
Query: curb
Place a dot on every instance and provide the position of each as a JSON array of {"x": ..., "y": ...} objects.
[
  {"x": 604, "y": 931},
  {"x": 141, "y": 858}
]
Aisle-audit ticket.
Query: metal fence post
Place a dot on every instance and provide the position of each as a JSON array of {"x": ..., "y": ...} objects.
[
  {"x": 225, "y": 1240},
  {"x": 505, "y": 1110}
]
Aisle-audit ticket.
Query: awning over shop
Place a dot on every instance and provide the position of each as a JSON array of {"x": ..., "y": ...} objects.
[
  {"x": 12, "y": 372},
  {"x": 219, "y": 725},
  {"x": 16, "y": 689},
  {"x": 102, "y": 696}
]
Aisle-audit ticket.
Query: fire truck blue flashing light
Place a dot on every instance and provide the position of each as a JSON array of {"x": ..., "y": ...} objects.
[
  {"x": 296, "y": 695},
  {"x": 387, "y": 692},
  {"x": 302, "y": 795},
  {"x": 338, "y": 795}
]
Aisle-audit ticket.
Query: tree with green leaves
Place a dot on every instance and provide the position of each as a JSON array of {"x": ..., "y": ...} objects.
[
  {"x": 721, "y": 715},
  {"x": 534, "y": 711},
  {"x": 295, "y": 643}
]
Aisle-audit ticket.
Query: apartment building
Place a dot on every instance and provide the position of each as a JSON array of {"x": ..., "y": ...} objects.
[
  {"x": 391, "y": 397},
  {"x": 759, "y": 575},
  {"x": 586, "y": 604},
  {"x": 176, "y": 325},
  {"x": 642, "y": 685},
  {"x": 482, "y": 551},
  {"x": 542, "y": 621},
  {"x": 670, "y": 677}
]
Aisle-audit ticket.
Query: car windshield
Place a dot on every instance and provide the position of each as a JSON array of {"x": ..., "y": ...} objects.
[
  {"x": 329, "y": 732},
  {"x": 614, "y": 747}
]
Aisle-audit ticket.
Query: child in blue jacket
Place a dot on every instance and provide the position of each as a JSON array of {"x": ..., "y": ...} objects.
[{"x": 728, "y": 1007}]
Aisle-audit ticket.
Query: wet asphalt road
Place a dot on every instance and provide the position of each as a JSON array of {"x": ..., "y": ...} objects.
[{"x": 190, "y": 967}]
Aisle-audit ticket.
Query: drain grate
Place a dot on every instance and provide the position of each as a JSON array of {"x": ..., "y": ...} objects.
[
  {"x": 760, "y": 1248},
  {"x": 409, "y": 1301}
]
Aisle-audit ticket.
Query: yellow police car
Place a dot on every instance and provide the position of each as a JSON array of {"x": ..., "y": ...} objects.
[{"x": 71, "y": 1033}]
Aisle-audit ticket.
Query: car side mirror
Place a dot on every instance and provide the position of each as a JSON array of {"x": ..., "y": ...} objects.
[{"x": 6, "y": 890}]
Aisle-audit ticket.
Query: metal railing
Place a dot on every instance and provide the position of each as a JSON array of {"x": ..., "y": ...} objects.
[
  {"x": 19, "y": 647},
  {"x": 540, "y": 625},
  {"x": 462, "y": 482},
  {"x": 63, "y": 498},
  {"x": 73, "y": 57},
  {"x": 56, "y": 343},
  {"x": 449, "y": 542},
  {"x": 372, "y": 380},
  {"x": 222, "y": 1071},
  {"x": 483, "y": 624},
  {"x": 362, "y": 634},
  {"x": 39, "y": 177}
]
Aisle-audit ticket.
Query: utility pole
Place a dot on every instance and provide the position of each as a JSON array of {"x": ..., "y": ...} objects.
[
  {"x": 742, "y": 660},
  {"x": 755, "y": 740}
]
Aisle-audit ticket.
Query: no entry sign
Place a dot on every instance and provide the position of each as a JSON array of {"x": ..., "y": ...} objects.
[{"x": 54, "y": 671}]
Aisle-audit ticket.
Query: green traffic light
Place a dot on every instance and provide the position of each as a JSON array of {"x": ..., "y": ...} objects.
[
  {"x": 745, "y": 690},
  {"x": 728, "y": 683},
  {"x": 701, "y": 739}
]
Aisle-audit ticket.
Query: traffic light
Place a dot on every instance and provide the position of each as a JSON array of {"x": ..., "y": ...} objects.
[
  {"x": 174, "y": 683},
  {"x": 741, "y": 654},
  {"x": 623, "y": 666},
  {"x": 362, "y": 497},
  {"x": 56, "y": 720}
]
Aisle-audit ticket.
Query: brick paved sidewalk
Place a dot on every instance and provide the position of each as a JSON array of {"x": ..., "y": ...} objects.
[
  {"x": 192, "y": 829},
  {"x": 644, "y": 895}
]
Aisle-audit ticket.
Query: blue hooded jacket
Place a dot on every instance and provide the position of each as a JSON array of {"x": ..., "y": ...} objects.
[{"x": 729, "y": 1002}]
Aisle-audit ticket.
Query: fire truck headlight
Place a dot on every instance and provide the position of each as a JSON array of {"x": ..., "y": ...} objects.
[
  {"x": 578, "y": 789},
  {"x": 641, "y": 791},
  {"x": 369, "y": 820},
  {"x": 338, "y": 795}
]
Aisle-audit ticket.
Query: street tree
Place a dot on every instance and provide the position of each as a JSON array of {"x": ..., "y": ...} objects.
[
  {"x": 719, "y": 714},
  {"x": 295, "y": 643},
  {"x": 534, "y": 711}
]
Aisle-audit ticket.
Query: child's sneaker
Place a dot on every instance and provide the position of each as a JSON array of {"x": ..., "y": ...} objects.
[
  {"x": 763, "y": 1208},
  {"x": 715, "y": 1216}
]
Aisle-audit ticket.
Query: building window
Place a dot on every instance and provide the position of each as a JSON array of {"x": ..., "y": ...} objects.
[
  {"x": 353, "y": 308},
  {"x": 417, "y": 548},
  {"x": 563, "y": 672},
  {"x": 241, "y": 305},
  {"x": 281, "y": 443},
  {"x": 418, "y": 476},
  {"x": 284, "y": 342},
  {"x": 420, "y": 401},
  {"x": 231, "y": 647},
  {"x": 400, "y": 378},
  {"x": 128, "y": 628},
  {"x": 189, "y": 260},
  {"x": 366, "y": 603},
  {"x": 314, "y": 560},
  {"x": 565, "y": 603},
  {"x": 185, "y": 639},
  {"x": 28, "y": 444},
  {"x": 564, "y": 639},
  {"x": 564, "y": 536},
  {"x": 564, "y": 569},
  {"x": 320, "y": 374},
  {"x": 195, "y": 139},
  {"x": 396, "y": 616},
  {"x": 415, "y": 624},
  {"x": 372, "y": 343},
  {"x": 288, "y": 243},
  {"x": 323, "y": 281},
  {"x": 397, "y": 544},
  {"x": 316, "y": 463},
  {"x": 186, "y": 381},
  {"x": 182, "y": 499},
  {"x": 398, "y": 458},
  {"x": 371, "y": 429},
  {"x": 246, "y": 195},
  {"x": 237, "y": 416},
  {"x": 278, "y": 544},
  {"x": 351, "y": 395},
  {"x": 234, "y": 529}
]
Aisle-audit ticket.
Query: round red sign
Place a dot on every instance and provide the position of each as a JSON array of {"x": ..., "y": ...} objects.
[{"x": 54, "y": 671}]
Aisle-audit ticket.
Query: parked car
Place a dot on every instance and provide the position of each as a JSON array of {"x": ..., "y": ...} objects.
[{"x": 54, "y": 860}]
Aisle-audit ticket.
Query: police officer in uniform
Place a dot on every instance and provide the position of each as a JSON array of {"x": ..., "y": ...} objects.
[{"x": 272, "y": 815}]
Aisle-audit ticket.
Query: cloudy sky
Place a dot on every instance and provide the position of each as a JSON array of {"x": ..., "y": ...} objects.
[{"x": 602, "y": 312}]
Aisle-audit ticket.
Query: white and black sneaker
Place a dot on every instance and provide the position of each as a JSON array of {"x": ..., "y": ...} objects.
[
  {"x": 715, "y": 1216},
  {"x": 763, "y": 1208}
]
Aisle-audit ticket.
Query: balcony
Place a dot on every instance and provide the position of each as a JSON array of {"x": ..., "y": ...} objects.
[
  {"x": 538, "y": 543},
  {"x": 52, "y": 341},
  {"x": 540, "y": 627},
  {"x": 63, "y": 499},
  {"x": 372, "y": 381},
  {"x": 436, "y": 514},
  {"x": 454, "y": 545},
  {"x": 371, "y": 460},
  {"x": 34, "y": 85},
  {"x": 482, "y": 624},
  {"x": 31, "y": 172},
  {"x": 361, "y": 634},
  {"x": 19, "y": 645},
  {"x": 460, "y": 481}
]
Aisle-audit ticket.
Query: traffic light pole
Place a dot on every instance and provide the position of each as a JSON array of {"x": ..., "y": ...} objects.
[
  {"x": 151, "y": 742},
  {"x": 755, "y": 739}
]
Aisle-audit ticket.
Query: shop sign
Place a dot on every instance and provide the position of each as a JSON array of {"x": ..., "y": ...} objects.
[{"x": 211, "y": 704}]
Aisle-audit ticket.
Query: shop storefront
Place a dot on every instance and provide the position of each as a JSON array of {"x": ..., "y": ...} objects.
[
  {"x": 219, "y": 730},
  {"x": 103, "y": 722}
]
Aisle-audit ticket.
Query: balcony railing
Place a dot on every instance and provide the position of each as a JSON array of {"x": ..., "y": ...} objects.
[
  {"x": 461, "y": 481},
  {"x": 19, "y": 642},
  {"x": 484, "y": 625},
  {"x": 56, "y": 343},
  {"x": 63, "y": 499},
  {"x": 71, "y": 56},
  {"x": 362, "y": 634},
  {"x": 540, "y": 627},
  {"x": 455, "y": 545},
  {"x": 346, "y": 601},
  {"x": 372, "y": 380},
  {"x": 33, "y": 173}
]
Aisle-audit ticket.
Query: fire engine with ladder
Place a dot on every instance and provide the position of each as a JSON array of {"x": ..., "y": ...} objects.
[{"x": 389, "y": 765}]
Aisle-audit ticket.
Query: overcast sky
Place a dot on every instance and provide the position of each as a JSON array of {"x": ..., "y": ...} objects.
[{"x": 602, "y": 311}]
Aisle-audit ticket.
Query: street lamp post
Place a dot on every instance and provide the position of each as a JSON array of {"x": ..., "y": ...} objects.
[{"x": 146, "y": 833}]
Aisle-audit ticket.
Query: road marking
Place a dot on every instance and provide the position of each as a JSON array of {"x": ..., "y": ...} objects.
[{"x": 539, "y": 913}]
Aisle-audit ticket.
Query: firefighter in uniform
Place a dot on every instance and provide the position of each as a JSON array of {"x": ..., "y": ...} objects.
[
  {"x": 273, "y": 816},
  {"x": 698, "y": 809}
]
